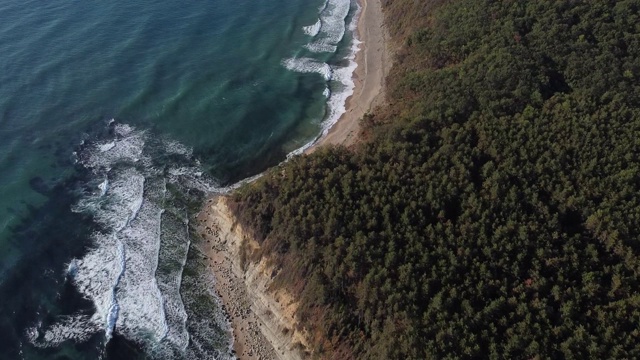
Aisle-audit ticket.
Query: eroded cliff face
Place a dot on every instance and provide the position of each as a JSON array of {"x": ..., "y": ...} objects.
[{"x": 262, "y": 316}]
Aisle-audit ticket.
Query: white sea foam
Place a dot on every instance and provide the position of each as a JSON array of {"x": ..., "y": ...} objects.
[
  {"x": 112, "y": 313},
  {"x": 123, "y": 129},
  {"x": 313, "y": 30},
  {"x": 141, "y": 304},
  {"x": 173, "y": 257},
  {"x": 192, "y": 177},
  {"x": 332, "y": 26},
  {"x": 77, "y": 328},
  {"x": 174, "y": 147},
  {"x": 353, "y": 25},
  {"x": 104, "y": 187},
  {"x": 72, "y": 268},
  {"x": 341, "y": 83},
  {"x": 308, "y": 65},
  {"x": 121, "y": 274},
  {"x": 127, "y": 147},
  {"x": 337, "y": 101},
  {"x": 97, "y": 277},
  {"x": 125, "y": 198},
  {"x": 321, "y": 46},
  {"x": 107, "y": 146}
]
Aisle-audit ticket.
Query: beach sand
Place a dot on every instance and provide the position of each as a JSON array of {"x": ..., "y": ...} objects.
[
  {"x": 263, "y": 320},
  {"x": 374, "y": 62}
]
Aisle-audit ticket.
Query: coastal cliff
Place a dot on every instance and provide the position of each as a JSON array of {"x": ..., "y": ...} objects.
[{"x": 263, "y": 319}]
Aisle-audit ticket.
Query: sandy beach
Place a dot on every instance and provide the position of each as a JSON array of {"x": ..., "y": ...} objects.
[
  {"x": 374, "y": 61},
  {"x": 263, "y": 320}
]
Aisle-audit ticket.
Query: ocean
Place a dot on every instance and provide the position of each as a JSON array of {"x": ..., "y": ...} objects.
[{"x": 117, "y": 119}]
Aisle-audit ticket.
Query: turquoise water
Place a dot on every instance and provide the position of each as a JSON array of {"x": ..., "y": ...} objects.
[{"x": 115, "y": 117}]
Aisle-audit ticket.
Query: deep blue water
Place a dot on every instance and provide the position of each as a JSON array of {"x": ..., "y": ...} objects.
[{"x": 116, "y": 118}]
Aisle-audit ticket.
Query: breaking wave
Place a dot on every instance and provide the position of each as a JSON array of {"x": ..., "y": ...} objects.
[
  {"x": 330, "y": 28},
  {"x": 327, "y": 33},
  {"x": 133, "y": 273},
  {"x": 313, "y": 30},
  {"x": 309, "y": 65}
]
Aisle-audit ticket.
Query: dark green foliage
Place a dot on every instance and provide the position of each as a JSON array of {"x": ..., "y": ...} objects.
[{"x": 496, "y": 215}]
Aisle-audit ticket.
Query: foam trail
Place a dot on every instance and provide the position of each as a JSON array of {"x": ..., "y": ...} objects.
[
  {"x": 321, "y": 47},
  {"x": 174, "y": 147},
  {"x": 121, "y": 274},
  {"x": 142, "y": 316},
  {"x": 337, "y": 100},
  {"x": 104, "y": 187},
  {"x": 127, "y": 147},
  {"x": 100, "y": 272},
  {"x": 107, "y": 146},
  {"x": 96, "y": 277},
  {"x": 309, "y": 65},
  {"x": 340, "y": 89},
  {"x": 332, "y": 26},
  {"x": 192, "y": 177},
  {"x": 72, "y": 268},
  {"x": 313, "y": 30},
  {"x": 114, "y": 308},
  {"x": 78, "y": 328}
]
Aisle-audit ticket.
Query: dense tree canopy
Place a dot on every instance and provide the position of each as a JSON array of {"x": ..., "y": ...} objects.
[{"x": 495, "y": 210}]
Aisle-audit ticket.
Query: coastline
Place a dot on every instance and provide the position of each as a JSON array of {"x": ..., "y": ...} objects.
[
  {"x": 263, "y": 322},
  {"x": 373, "y": 64}
]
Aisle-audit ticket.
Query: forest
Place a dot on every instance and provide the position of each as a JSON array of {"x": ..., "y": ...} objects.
[{"x": 492, "y": 209}]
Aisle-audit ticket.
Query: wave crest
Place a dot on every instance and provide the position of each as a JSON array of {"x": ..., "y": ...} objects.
[{"x": 133, "y": 271}]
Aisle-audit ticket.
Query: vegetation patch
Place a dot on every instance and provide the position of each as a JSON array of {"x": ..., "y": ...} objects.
[{"x": 494, "y": 211}]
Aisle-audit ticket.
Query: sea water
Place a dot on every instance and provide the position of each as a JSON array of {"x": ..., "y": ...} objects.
[{"x": 116, "y": 119}]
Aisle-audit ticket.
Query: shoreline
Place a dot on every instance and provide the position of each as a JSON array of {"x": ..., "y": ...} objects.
[
  {"x": 263, "y": 321},
  {"x": 227, "y": 283},
  {"x": 373, "y": 61}
]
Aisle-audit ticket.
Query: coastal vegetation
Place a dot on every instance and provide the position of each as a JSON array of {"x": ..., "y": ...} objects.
[{"x": 493, "y": 210}]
